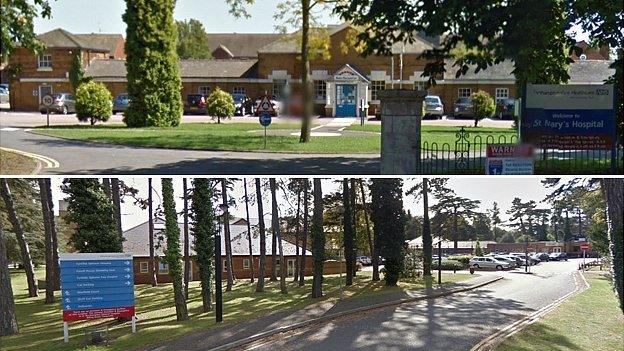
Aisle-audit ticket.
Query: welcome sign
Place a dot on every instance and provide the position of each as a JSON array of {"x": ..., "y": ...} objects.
[{"x": 569, "y": 117}]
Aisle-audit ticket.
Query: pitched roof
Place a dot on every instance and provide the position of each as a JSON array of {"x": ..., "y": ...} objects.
[
  {"x": 446, "y": 244},
  {"x": 241, "y": 44},
  {"x": 212, "y": 68},
  {"x": 137, "y": 239},
  {"x": 60, "y": 38},
  {"x": 99, "y": 40}
]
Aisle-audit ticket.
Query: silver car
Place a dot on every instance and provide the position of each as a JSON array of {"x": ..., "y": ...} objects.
[
  {"x": 510, "y": 260},
  {"x": 487, "y": 262},
  {"x": 434, "y": 106}
]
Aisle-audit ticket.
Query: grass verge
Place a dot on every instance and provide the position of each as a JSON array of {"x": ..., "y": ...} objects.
[
  {"x": 12, "y": 163},
  {"x": 41, "y": 325},
  {"x": 590, "y": 320}
]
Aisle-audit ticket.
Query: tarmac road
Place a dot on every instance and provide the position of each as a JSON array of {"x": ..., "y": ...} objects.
[{"x": 456, "y": 322}]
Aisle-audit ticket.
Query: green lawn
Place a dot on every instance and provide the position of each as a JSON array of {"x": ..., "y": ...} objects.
[
  {"x": 591, "y": 320},
  {"x": 41, "y": 325},
  {"x": 14, "y": 163},
  {"x": 249, "y": 137}
]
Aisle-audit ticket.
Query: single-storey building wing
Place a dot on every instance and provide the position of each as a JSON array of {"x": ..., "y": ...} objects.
[
  {"x": 137, "y": 242},
  {"x": 464, "y": 247}
]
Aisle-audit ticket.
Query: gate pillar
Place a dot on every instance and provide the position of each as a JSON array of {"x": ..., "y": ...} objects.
[{"x": 401, "y": 114}]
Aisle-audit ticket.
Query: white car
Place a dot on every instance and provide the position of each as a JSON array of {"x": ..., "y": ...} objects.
[
  {"x": 510, "y": 260},
  {"x": 488, "y": 262}
]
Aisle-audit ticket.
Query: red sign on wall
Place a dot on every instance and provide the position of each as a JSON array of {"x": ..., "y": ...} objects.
[{"x": 115, "y": 312}]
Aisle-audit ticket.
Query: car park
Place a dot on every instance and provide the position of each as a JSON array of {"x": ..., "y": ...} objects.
[
  {"x": 523, "y": 258},
  {"x": 195, "y": 104},
  {"x": 558, "y": 256},
  {"x": 512, "y": 261},
  {"x": 364, "y": 260},
  {"x": 543, "y": 256},
  {"x": 242, "y": 105},
  {"x": 478, "y": 262},
  {"x": 433, "y": 107},
  {"x": 4, "y": 95},
  {"x": 120, "y": 103},
  {"x": 63, "y": 103},
  {"x": 463, "y": 108},
  {"x": 505, "y": 108}
]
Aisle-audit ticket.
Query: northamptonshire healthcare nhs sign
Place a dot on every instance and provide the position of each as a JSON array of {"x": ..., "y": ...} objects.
[{"x": 569, "y": 117}]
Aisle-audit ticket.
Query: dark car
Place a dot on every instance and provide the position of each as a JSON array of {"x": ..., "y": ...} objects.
[
  {"x": 63, "y": 103},
  {"x": 505, "y": 108},
  {"x": 544, "y": 256},
  {"x": 558, "y": 256},
  {"x": 195, "y": 104},
  {"x": 121, "y": 102},
  {"x": 242, "y": 105},
  {"x": 463, "y": 108}
]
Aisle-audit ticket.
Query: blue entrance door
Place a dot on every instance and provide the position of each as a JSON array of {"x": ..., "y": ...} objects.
[{"x": 345, "y": 100}]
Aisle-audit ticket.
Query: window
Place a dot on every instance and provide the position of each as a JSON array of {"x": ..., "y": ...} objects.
[
  {"x": 204, "y": 90},
  {"x": 44, "y": 61},
  {"x": 238, "y": 90},
  {"x": 420, "y": 86},
  {"x": 464, "y": 92},
  {"x": 320, "y": 90},
  {"x": 377, "y": 86},
  {"x": 246, "y": 263},
  {"x": 143, "y": 267},
  {"x": 501, "y": 93},
  {"x": 163, "y": 268},
  {"x": 278, "y": 87}
]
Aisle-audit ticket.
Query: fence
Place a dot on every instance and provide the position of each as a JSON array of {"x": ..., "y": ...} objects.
[{"x": 468, "y": 155}]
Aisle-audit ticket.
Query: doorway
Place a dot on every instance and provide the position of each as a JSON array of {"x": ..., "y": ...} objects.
[{"x": 346, "y": 97}]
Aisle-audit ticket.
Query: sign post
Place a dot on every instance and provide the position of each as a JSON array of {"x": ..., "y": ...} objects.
[
  {"x": 47, "y": 101},
  {"x": 584, "y": 247},
  {"x": 95, "y": 286},
  {"x": 265, "y": 109},
  {"x": 506, "y": 159}
]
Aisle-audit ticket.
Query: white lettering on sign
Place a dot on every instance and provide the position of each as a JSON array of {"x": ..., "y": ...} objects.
[{"x": 573, "y": 97}]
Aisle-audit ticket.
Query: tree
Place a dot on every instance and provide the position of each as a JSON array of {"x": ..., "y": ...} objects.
[
  {"x": 116, "y": 199},
  {"x": 48, "y": 217},
  {"x": 348, "y": 235},
  {"x": 8, "y": 319},
  {"x": 495, "y": 220},
  {"x": 154, "y": 84},
  {"x": 17, "y": 18},
  {"x": 53, "y": 233},
  {"x": 204, "y": 230},
  {"x": 478, "y": 251},
  {"x": 613, "y": 192},
  {"x": 318, "y": 240},
  {"x": 220, "y": 104},
  {"x": 484, "y": 106},
  {"x": 227, "y": 237},
  {"x": 192, "y": 40},
  {"x": 389, "y": 221},
  {"x": 426, "y": 236},
  {"x": 276, "y": 233},
  {"x": 93, "y": 102},
  {"x": 522, "y": 212},
  {"x": 173, "y": 257},
  {"x": 262, "y": 263},
  {"x": 306, "y": 212},
  {"x": 372, "y": 247},
  {"x": 5, "y": 191},
  {"x": 76, "y": 71},
  {"x": 187, "y": 259},
  {"x": 251, "y": 258},
  {"x": 455, "y": 207},
  {"x": 92, "y": 214},
  {"x": 150, "y": 211}
]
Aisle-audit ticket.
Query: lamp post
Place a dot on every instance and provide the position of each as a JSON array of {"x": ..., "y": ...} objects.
[{"x": 219, "y": 268}]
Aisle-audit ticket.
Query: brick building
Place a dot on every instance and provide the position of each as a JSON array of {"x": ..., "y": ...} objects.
[
  {"x": 345, "y": 83},
  {"x": 137, "y": 239}
]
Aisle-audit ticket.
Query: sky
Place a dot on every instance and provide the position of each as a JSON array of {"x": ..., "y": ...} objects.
[{"x": 487, "y": 190}]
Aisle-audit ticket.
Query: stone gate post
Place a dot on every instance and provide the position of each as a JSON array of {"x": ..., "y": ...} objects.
[{"x": 401, "y": 113}]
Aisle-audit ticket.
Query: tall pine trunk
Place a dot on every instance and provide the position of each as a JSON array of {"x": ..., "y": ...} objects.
[
  {"x": 251, "y": 258},
  {"x": 150, "y": 210},
  {"x": 274, "y": 258},
  {"x": 426, "y": 230},
  {"x": 297, "y": 235},
  {"x": 49, "y": 255},
  {"x": 374, "y": 257},
  {"x": 318, "y": 240},
  {"x": 613, "y": 192},
  {"x": 187, "y": 258},
  {"x": 353, "y": 198},
  {"x": 8, "y": 319},
  {"x": 116, "y": 204},
  {"x": 19, "y": 235},
  {"x": 106, "y": 184},
  {"x": 305, "y": 72},
  {"x": 277, "y": 234},
  {"x": 227, "y": 238},
  {"x": 262, "y": 263},
  {"x": 55, "y": 249},
  {"x": 347, "y": 225},
  {"x": 304, "y": 246}
]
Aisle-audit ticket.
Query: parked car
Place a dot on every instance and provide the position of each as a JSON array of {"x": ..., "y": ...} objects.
[
  {"x": 487, "y": 262},
  {"x": 558, "y": 256},
  {"x": 4, "y": 95},
  {"x": 543, "y": 256},
  {"x": 242, "y": 105},
  {"x": 519, "y": 262},
  {"x": 433, "y": 107},
  {"x": 512, "y": 261},
  {"x": 63, "y": 103},
  {"x": 463, "y": 108},
  {"x": 195, "y": 104},
  {"x": 523, "y": 258},
  {"x": 505, "y": 108},
  {"x": 120, "y": 103},
  {"x": 364, "y": 260},
  {"x": 5, "y": 87}
]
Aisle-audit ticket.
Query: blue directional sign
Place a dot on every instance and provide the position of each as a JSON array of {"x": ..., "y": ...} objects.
[
  {"x": 265, "y": 119},
  {"x": 96, "y": 285}
]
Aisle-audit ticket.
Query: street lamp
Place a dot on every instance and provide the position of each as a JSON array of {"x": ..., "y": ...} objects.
[{"x": 219, "y": 268}]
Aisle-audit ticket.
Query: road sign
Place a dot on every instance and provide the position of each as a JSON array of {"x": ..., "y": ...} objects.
[
  {"x": 584, "y": 246},
  {"x": 505, "y": 159},
  {"x": 96, "y": 285},
  {"x": 47, "y": 100},
  {"x": 265, "y": 105},
  {"x": 265, "y": 119}
]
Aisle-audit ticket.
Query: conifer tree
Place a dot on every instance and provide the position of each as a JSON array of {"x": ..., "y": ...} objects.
[
  {"x": 153, "y": 71},
  {"x": 204, "y": 230},
  {"x": 318, "y": 240}
]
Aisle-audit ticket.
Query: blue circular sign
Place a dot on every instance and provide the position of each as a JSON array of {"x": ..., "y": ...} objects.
[{"x": 265, "y": 119}]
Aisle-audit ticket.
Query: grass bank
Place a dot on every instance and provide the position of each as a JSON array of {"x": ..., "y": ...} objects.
[
  {"x": 12, "y": 163},
  {"x": 41, "y": 325},
  {"x": 590, "y": 320}
]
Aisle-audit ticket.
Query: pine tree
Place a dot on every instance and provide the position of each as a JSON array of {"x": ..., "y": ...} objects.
[
  {"x": 227, "y": 238},
  {"x": 306, "y": 211},
  {"x": 276, "y": 234},
  {"x": 262, "y": 229},
  {"x": 153, "y": 71},
  {"x": 150, "y": 213},
  {"x": 251, "y": 258},
  {"x": 173, "y": 257},
  {"x": 348, "y": 235},
  {"x": 318, "y": 240},
  {"x": 8, "y": 319},
  {"x": 204, "y": 230},
  {"x": 48, "y": 218},
  {"x": 90, "y": 210}
]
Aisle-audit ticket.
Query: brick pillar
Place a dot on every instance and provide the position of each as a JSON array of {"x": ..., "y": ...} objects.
[{"x": 401, "y": 113}]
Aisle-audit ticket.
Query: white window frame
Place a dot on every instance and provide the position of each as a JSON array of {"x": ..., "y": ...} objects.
[
  {"x": 246, "y": 263},
  {"x": 320, "y": 90},
  {"x": 204, "y": 90},
  {"x": 501, "y": 93},
  {"x": 461, "y": 92},
  {"x": 143, "y": 267},
  {"x": 224, "y": 265},
  {"x": 377, "y": 86},
  {"x": 163, "y": 271},
  {"x": 239, "y": 90},
  {"x": 420, "y": 86},
  {"x": 44, "y": 62}
]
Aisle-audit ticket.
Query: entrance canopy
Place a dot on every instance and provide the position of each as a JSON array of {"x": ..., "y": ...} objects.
[{"x": 347, "y": 92}]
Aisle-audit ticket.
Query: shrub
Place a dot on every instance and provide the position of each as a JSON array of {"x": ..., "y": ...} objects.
[
  {"x": 448, "y": 265},
  {"x": 412, "y": 267},
  {"x": 93, "y": 102},
  {"x": 478, "y": 251},
  {"x": 220, "y": 104},
  {"x": 484, "y": 106},
  {"x": 463, "y": 259}
]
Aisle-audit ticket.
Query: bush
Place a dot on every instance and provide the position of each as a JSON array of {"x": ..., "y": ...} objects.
[
  {"x": 93, "y": 102},
  {"x": 412, "y": 267},
  {"x": 484, "y": 106},
  {"x": 448, "y": 265},
  {"x": 463, "y": 259},
  {"x": 478, "y": 251},
  {"x": 220, "y": 104}
]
